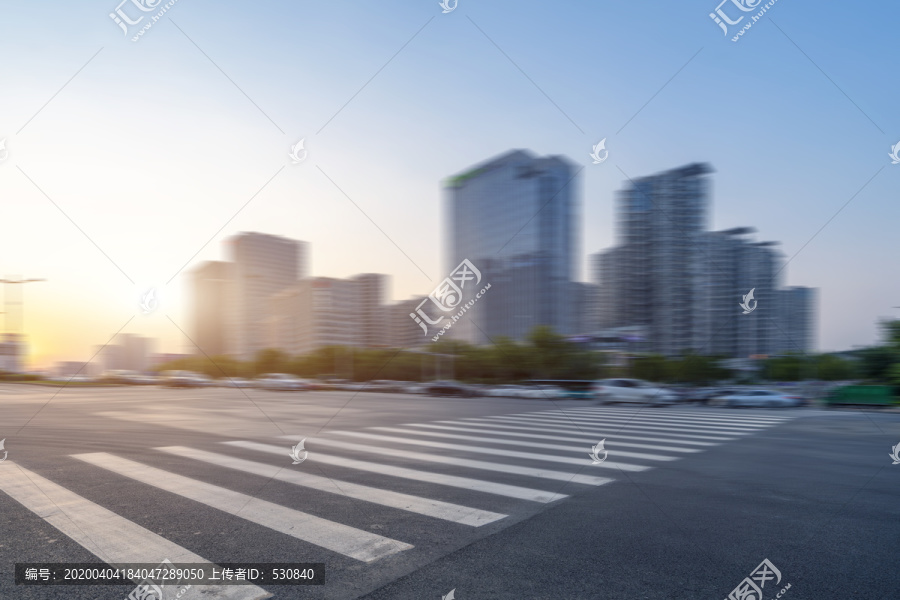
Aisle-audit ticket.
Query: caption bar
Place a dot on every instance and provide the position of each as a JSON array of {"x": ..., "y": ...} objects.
[{"x": 170, "y": 574}]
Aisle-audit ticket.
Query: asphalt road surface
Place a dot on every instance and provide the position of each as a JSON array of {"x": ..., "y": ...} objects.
[{"x": 411, "y": 497}]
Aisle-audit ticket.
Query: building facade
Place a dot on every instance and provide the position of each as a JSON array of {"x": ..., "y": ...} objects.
[
  {"x": 661, "y": 219},
  {"x": 262, "y": 266},
  {"x": 514, "y": 218},
  {"x": 797, "y": 322},
  {"x": 211, "y": 285}
]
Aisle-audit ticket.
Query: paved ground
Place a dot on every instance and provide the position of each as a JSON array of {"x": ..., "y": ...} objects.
[{"x": 412, "y": 497}]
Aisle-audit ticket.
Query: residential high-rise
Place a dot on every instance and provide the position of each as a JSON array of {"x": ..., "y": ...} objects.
[
  {"x": 263, "y": 265},
  {"x": 732, "y": 266},
  {"x": 404, "y": 332},
  {"x": 212, "y": 284},
  {"x": 607, "y": 273},
  {"x": 514, "y": 218},
  {"x": 661, "y": 219},
  {"x": 371, "y": 293},
  {"x": 796, "y": 325}
]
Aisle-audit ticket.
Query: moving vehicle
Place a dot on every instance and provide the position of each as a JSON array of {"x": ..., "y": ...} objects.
[
  {"x": 448, "y": 388},
  {"x": 634, "y": 390},
  {"x": 183, "y": 379},
  {"x": 235, "y": 382},
  {"x": 280, "y": 381},
  {"x": 544, "y": 392},
  {"x": 507, "y": 391},
  {"x": 573, "y": 389},
  {"x": 761, "y": 398}
]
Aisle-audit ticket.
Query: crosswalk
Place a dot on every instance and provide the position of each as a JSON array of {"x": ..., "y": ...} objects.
[{"x": 464, "y": 473}]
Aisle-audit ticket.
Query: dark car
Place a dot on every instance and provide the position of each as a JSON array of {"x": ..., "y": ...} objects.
[{"x": 449, "y": 388}]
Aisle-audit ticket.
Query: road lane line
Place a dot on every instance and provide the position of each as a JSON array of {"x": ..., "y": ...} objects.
[
  {"x": 478, "y": 485},
  {"x": 349, "y": 541},
  {"x": 108, "y": 536},
  {"x": 423, "y": 506}
]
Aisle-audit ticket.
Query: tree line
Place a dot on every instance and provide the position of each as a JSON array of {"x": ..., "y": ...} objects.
[{"x": 545, "y": 354}]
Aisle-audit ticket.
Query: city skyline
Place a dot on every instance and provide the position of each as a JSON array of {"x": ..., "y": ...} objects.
[{"x": 92, "y": 190}]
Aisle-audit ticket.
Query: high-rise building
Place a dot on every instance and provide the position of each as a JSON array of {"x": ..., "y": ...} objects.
[
  {"x": 371, "y": 293},
  {"x": 797, "y": 322},
  {"x": 263, "y": 265},
  {"x": 212, "y": 284},
  {"x": 732, "y": 266},
  {"x": 404, "y": 332},
  {"x": 12, "y": 353},
  {"x": 608, "y": 275},
  {"x": 514, "y": 218},
  {"x": 661, "y": 219},
  {"x": 323, "y": 311}
]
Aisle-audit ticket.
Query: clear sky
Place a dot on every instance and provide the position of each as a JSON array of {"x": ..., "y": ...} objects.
[{"x": 126, "y": 166}]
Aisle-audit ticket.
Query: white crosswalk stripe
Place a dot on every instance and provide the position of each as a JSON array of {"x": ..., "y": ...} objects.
[
  {"x": 682, "y": 431},
  {"x": 355, "y": 543},
  {"x": 536, "y": 452},
  {"x": 531, "y": 427},
  {"x": 568, "y": 438},
  {"x": 109, "y": 537},
  {"x": 529, "y": 444},
  {"x": 610, "y": 426},
  {"x": 423, "y": 506},
  {"x": 475, "y": 464},
  {"x": 478, "y": 485},
  {"x": 649, "y": 420}
]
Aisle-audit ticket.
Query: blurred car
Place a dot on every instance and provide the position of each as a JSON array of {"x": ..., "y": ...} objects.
[
  {"x": 448, "y": 388},
  {"x": 79, "y": 379},
  {"x": 633, "y": 390},
  {"x": 144, "y": 379},
  {"x": 181, "y": 379},
  {"x": 759, "y": 398},
  {"x": 280, "y": 381},
  {"x": 235, "y": 382},
  {"x": 120, "y": 376},
  {"x": 507, "y": 391},
  {"x": 384, "y": 385},
  {"x": 414, "y": 388},
  {"x": 544, "y": 392}
]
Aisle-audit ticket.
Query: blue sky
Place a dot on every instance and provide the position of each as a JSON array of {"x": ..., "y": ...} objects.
[{"x": 151, "y": 148}]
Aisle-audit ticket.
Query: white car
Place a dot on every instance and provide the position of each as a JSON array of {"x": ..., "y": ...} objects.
[
  {"x": 544, "y": 392},
  {"x": 507, "y": 391},
  {"x": 280, "y": 381},
  {"x": 633, "y": 390},
  {"x": 235, "y": 382},
  {"x": 764, "y": 398}
]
